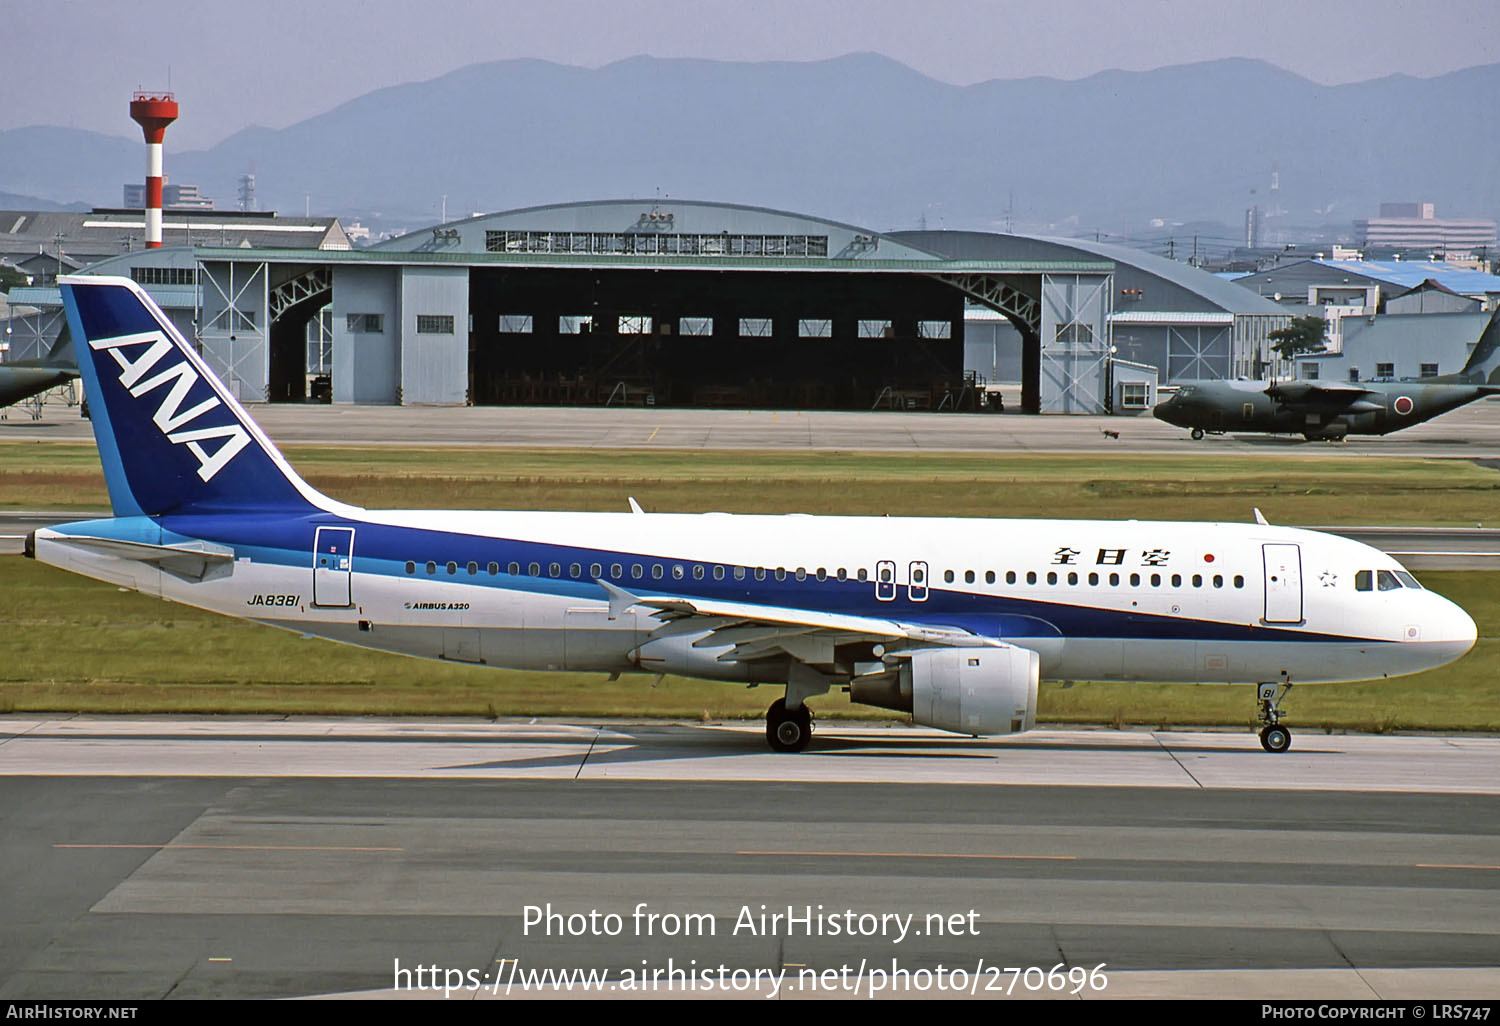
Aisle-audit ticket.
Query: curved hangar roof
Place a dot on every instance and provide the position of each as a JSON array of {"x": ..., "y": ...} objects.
[
  {"x": 661, "y": 228},
  {"x": 1164, "y": 284}
]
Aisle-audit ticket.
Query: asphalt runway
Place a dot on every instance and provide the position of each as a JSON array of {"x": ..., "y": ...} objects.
[
  {"x": 188, "y": 857},
  {"x": 1472, "y": 432}
]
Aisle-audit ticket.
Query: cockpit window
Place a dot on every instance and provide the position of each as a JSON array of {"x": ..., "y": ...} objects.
[
  {"x": 1386, "y": 580},
  {"x": 1364, "y": 581},
  {"x": 1407, "y": 579}
]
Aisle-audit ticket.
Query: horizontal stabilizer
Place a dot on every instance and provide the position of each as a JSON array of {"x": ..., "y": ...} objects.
[{"x": 189, "y": 561}]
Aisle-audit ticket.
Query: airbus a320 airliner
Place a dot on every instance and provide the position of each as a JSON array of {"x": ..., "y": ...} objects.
[{"x": 951, "y": 620}]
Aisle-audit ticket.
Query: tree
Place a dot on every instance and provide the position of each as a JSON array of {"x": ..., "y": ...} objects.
[
  {"x": 11, "y": 278},
  {"x": 1303, "y": 335}
]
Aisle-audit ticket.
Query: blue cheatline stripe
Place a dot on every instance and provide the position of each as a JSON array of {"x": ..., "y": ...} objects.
[{"x": 383, "y": 550}]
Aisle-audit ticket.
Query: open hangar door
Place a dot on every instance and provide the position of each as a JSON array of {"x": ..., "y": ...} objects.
[{"x": 764, "y": 339}]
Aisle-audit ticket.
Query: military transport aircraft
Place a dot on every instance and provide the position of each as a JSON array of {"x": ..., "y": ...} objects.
[
  {"x": 1332, "y": 410},
  {"x": 23, "y": 379},
  {"x": 951, "y": 620}
]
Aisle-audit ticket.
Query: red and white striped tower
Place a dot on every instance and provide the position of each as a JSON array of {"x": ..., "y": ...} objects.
[{"x": 153, "y": 112}]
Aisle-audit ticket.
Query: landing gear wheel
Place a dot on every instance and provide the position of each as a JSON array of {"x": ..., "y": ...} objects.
[
  {"x": 788, "y": 730},
  {"x": 1273, "y": 736},
  {"x": 1275, "y": 739},
  {"x": 1197, "y": 434}
]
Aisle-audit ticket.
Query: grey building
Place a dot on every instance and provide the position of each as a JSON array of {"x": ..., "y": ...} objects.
[
  {"x": 1432, "y": 296},
  {"x": 87, "y": 238},
  {"x": 691, "y": 303},
  {"x": 1185, "y": 322},
  {"x": 1322, "y": 282},
  {"x": 1416, "y": 226},
  {"x": 1390, "y": 347}
]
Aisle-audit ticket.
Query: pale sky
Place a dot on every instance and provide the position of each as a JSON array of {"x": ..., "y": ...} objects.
[{"x": 276, "y": 62}]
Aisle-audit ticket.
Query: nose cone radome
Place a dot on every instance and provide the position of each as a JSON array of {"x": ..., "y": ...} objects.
[
  {"x": 1450, "y": 632},
  {"x": 1167, "y": 411}
]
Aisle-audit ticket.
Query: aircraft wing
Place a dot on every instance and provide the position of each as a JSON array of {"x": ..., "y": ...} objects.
[
  {"x": 20, "y": 382},
  {"x": 805, "y": 634},
  {"x": 1319, "y": 393},
  {"x": 192, "y": 561}
]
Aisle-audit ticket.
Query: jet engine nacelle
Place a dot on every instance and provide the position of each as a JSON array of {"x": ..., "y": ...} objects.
[{"x": 977, "y": 691}]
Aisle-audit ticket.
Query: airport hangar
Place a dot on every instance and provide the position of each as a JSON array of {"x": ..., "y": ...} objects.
[{"x": 696, "y": 304}]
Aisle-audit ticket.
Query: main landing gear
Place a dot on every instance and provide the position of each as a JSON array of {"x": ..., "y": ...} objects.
[
  {"x": 788, "y": 730},
  {"x": 1273, "y": 736}
]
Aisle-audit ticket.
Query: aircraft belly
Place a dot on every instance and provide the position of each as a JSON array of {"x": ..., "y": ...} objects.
[
  {"x": 1242, "y": 662},
  {"x": 1088, "y": 659}
]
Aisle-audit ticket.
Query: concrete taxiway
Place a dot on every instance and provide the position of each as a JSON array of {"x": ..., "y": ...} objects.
[
  {"x": 1472, "y": 432},
  {"x": 256, "y": 857}
]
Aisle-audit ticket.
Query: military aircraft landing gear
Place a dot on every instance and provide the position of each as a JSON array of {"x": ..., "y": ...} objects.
[
  {"x": 1273, "y": 736},
  {"x": 788, "y": 730},
  {"x": 1197, "y": 434}
]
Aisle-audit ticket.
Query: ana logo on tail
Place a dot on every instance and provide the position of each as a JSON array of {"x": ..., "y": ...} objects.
[{"x": 170, "y": 417}]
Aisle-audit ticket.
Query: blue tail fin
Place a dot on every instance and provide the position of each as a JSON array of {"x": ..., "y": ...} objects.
[{"x": 171, "y": 437}]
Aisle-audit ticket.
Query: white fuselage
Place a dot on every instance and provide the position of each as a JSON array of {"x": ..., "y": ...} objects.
[{"x": 1098, "y": 600}]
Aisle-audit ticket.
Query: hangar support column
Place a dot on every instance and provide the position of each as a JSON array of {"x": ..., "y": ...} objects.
[
  {"x": 233, "y": 322},
  {"x": 1023, "y": 309},
  {"x": 1076, "y": 343}
]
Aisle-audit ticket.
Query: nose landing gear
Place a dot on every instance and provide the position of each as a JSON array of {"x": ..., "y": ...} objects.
[{"x": 1273, "y": 736}]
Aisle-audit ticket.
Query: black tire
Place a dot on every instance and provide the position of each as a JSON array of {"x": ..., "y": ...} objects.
[
  {"x": 1197, "y": 434},
  {"x": 1276, "y": 739},
  {"x": 788, "y": 731}
]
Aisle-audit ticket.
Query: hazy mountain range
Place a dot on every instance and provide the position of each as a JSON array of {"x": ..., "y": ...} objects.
[{"x": 860, "y": 138}]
